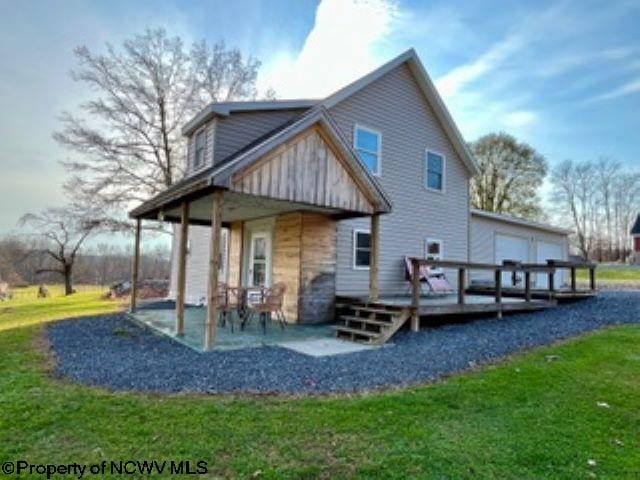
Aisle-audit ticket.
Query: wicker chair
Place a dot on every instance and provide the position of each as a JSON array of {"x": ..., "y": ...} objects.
[
  {"x": 269, "y": 304},
  {"x": 229, "y": 301}
]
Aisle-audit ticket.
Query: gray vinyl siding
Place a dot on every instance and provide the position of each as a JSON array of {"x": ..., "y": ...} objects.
[
  {"x": 394, "y": 106},
  {"x": 483, "y": 241},
  {"x": 240, "y": 129}
]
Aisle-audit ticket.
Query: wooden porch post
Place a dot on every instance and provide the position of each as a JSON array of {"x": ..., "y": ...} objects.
[
  {"x": 374, "y": 264},
  {"x": 415, "y": 295},
  {"x": 182, "y": 267},
  {"x": 592, "y": 278},
  {"x": 136, "y": 267},
  {"x": 498, "y": 280},
  {"x": 461, "y": 282},
  {"x": 214, "y": 267},
  {"x": 573, "y": 279},
  {"x": 527, "y": 285}
]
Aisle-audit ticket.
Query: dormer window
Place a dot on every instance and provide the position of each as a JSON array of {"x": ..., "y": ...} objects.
[
  {"x": 367, "y": 144},
  {"x": 199, "y": 150}
]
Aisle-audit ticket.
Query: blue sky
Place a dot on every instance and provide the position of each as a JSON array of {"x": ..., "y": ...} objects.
[{"x": 563, "y": 76}]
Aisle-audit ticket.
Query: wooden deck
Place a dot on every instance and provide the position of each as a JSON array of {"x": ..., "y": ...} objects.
[
  {"x": 375, "y": 322},
  {"x": 375, "y": 319},
  {"x": 560, "y": 295}
]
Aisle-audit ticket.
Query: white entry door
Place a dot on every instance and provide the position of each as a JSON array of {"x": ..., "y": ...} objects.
[
  {"x": 549, "y": 251},
  {"x": 259, "y": 259},
  {"x": 509, "y": 247}
]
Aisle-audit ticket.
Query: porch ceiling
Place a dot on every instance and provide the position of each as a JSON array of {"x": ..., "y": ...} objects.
[{"x": 238, "y": 207}]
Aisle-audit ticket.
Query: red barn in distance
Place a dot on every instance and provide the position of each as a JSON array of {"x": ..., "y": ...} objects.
[{"x": 635, "y": 233}]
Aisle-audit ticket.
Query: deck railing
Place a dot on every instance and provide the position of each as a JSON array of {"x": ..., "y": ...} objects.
[{"x": 507, "y": 266}]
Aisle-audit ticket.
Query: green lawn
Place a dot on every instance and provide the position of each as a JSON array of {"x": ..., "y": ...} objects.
[
  {"x": 533, "y": 416},
  {"x": 613, "y": 273}
]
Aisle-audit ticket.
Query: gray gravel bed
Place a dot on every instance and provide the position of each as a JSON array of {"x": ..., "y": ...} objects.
[{"x": 116, "y": 353}]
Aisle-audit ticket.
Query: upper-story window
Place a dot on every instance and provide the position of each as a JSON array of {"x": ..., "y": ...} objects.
[
  {"x": 367, "y": 143},
  {"x": 435, "y": 163},
  {"x": 199, "y": 150}
]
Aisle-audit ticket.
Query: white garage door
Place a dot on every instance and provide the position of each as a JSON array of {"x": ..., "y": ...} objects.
[
  {"x": 549, "y": 251},
  {"x": 511, "y": 248}
]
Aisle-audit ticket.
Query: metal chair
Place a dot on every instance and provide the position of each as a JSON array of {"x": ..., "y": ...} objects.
[
  {"x": 229, "y": 301},
  {"x": 270, "y": 303}
]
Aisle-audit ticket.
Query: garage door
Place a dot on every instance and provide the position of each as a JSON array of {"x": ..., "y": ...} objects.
[
  {"x": 509, "y": 247},
  {"x": 549, "y": 251}
]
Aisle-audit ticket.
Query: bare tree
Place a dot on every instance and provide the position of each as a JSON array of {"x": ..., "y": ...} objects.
[
  {"x": 128, "y": 138},
  {"x": 607, "y": 170},
  {"x": 574, "y": 190},
  {"x": 64, "y": 231},
  {"x": 510, "y": 175}
]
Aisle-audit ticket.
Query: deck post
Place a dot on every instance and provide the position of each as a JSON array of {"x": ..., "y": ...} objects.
[
  {"x": 527, "y": 285},
  {"x": 182, "y": 267},
  {"x": 573, "y": 279},
  {"x": 498, "y": 280},
  {"x": 461, "y": 282},
  {"x": 552, "y": 286},
  {"x": 415, "y": 294},
  {"x": 592, "y": 278},
  {"x": 214, "y": 267},
  {"x": 136, "y": 267},
  {"x": 374, "y": 264}
]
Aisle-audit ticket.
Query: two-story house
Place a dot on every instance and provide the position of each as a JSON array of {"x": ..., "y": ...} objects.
[{"x": 328, "y": 196}]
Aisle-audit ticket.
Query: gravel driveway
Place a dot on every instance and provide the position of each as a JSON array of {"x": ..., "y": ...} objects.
[{"x": 113, "y": 352}]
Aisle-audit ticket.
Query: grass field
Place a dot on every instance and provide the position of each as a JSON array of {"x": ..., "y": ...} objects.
[
  {"x": 613, "y": 273},
  {"x": 533, "y": 416},
  {"x": 25, "y": 308}
]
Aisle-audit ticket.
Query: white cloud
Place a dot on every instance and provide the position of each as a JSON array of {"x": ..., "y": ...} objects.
[
  {"x": 340, "y": 48},
  {"x": 519, "y": 118},
  {"x": 451, "y": 83},
  {"x": 626, "y": 89}
]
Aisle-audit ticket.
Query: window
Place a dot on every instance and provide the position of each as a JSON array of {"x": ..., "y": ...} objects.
[
  {"x": 433, "y": 249},
  {"x": 198, "y": 157},
  {"x": 435, "y": 171},
  {"x": 367, "y": 145},
  {"x": 361, "y": 249}
]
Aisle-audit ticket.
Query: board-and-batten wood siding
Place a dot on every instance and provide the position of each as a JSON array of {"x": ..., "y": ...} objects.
[
  {"x": 394, "y": 106},
  {"x": 483, "y": 241},
  {"x": 305, "y": 170},
  {"x": 304, "y": 259},
  {"x": 241, "y": 128}
]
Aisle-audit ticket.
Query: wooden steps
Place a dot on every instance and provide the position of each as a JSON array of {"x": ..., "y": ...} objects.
[{"x": 369, "y": 323}]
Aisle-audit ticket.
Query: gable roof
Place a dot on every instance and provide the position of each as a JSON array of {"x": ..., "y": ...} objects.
[
  {"x": 500, "y": 217},
  {"x": 220, "y": 174},
  {"x": 410, "y": 57},
  {"x": 635, "y": 230},
  {"x": 224, "y": 109}
]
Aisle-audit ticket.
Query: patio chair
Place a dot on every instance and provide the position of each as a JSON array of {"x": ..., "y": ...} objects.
[
  {"x": 270, "y": 303},
  {"x": 5, "y": 293},
  {"x": 229, "y": 301},
  {"x": 434, "y": 278}
]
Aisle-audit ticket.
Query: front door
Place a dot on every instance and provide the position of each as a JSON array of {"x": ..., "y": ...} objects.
[{"x": 259, "y": 260}]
